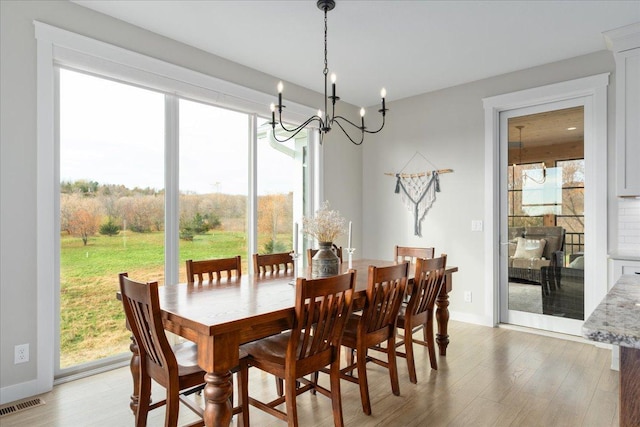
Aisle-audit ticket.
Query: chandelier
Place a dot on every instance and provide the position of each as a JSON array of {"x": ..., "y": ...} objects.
[
  {"x": 524, "y": 172},
  {"x": 325, "y": 121}
]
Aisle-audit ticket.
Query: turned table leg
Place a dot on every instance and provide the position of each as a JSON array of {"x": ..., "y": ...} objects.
[
  {"x": 134, "y": 365},
  {"x": 217, "y": 394},
  {"x": 442, "y": 315}
]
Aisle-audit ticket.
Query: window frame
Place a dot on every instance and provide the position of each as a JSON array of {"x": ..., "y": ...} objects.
[{"x": 61, "y": 48}]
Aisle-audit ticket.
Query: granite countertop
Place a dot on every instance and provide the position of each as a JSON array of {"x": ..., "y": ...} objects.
[{"x": 616, "y": 320}]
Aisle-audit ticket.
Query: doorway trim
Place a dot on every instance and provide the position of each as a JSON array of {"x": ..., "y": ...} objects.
[{"x": 594, "y": 89}]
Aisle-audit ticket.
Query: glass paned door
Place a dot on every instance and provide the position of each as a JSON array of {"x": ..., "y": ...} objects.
[
  {"x": 544, "y": 219},
  {"x": 111, "y": 208}
]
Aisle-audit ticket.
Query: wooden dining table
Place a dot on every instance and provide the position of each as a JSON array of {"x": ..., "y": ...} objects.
[{"x": 220, "y": 316}]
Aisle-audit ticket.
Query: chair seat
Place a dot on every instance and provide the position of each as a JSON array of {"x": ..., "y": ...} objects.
[
  {"x": 187, "y": 358},
  {"x": 351, "y": 328},
  {"x": 272, "y": 349},
  {"x": 418, "y": 319}
]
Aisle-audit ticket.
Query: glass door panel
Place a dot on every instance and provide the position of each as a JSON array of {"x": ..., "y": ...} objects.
[
  {"x": 111, "y": 208},
  {"x": 280, "y": 189},
  {"x": 544, "y": 218},
  {"x": 213, "y": 183}
]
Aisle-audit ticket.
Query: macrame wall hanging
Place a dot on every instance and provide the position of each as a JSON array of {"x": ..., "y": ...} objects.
[{"x": 418, "y": 190}]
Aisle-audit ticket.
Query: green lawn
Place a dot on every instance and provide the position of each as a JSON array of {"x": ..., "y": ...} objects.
[{"x": 92, "y": 320}]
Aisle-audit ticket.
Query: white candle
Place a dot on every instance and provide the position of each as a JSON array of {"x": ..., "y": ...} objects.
[
  {"x": 295, "y": 238},
  {"x": 349, "y": 245}
]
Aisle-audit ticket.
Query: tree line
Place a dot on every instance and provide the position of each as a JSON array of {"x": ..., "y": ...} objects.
[{"x": 88, "y": 208}]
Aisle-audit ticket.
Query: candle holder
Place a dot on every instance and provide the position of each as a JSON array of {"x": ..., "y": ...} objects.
[
  {"x": 294, "y": 256},
  {"x": 350, "y": 252}
]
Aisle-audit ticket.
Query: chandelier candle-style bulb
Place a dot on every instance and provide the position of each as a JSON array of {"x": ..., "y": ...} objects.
[
  {"x": 273, "y": 114},
  {"x": 362, "y": 116},
  {"x": 280, "y": 87},
  {"x": 383, "y": 95},
  {"x": 333, "y": 87}
]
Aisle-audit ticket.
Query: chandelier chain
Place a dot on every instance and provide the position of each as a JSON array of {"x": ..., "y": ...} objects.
[{"x": 326, "y": 64}]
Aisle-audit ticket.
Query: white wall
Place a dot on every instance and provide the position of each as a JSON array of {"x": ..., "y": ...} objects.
[{"x": 447, "y": 127}]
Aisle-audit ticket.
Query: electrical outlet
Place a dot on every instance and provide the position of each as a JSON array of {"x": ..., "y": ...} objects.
[
  {"x": 476, "y": 225},
  {"x": 467, "y": 296},
  {"x": 21, "y": 354}
]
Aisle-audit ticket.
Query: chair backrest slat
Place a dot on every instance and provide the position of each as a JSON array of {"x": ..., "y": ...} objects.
[
  {"x": 385, "y": 292},
  {"x": 428, "y": 280},
  {"x": 408, "y": 253},
  {"x": 142, "y": 310},
  {"x": 272, "y": 263},
  {"x": 211, "y": 269},
  {"x": 322, "y": 308}
]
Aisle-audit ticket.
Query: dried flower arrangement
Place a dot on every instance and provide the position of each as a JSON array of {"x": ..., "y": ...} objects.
[{"x": 326, "y": 225}]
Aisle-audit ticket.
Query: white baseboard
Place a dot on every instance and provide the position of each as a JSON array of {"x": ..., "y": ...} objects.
[
  {"x": 19, "y": 391},
  {"x": 471, "y": 318}
]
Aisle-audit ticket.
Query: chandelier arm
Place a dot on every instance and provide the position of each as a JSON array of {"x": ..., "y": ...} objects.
[
  {"x": 336, "y": 118},
  {"x": 347, "y": 133},
  {"x": 295, "y": 131},
  {"x": 301, "y": 126},
  {"x": 379, "y": 129}
]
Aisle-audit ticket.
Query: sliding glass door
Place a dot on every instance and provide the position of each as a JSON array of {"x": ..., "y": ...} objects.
[
  {"x": 148, "y": 180},
  {"x": 111, "y": 208}
]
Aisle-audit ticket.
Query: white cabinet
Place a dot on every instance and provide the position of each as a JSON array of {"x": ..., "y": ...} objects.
[
  {"x": 620, "y": 267},
  {"x": 625, "y": 44}
]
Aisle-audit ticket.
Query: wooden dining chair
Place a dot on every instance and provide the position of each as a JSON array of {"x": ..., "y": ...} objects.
[
  {"x": 409, "y": 253},
  {"x": 321, "y": 311},
  {"x": 210, "y": 268},
  {"x": 336, "y": 249},
  {"x": 377, "y": 324},
  {"x": 429, "y": 278},
  {"x": 272, "y": 263},
  {"x": 175, "y": 368}
]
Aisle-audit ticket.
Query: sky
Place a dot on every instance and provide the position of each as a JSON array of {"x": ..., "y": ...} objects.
[{"x": 113, "y": 133}]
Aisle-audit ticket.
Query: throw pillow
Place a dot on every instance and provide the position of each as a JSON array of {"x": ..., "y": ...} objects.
[
  {"x": 529, "y": 248},
  {"x": 577, "y": 263}
]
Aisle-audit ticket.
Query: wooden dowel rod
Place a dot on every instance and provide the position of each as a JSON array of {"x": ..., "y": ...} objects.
[{"x": 412, "y": 175}]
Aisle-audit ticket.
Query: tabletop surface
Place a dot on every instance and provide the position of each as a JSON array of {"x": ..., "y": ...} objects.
[{"x": 212, "y": 306}]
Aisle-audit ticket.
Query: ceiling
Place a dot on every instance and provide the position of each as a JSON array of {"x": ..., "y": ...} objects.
[{"x": 408, "y": 47}]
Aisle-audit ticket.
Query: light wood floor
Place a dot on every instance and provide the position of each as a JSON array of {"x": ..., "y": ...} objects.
[{"x": 490, "y": 377}]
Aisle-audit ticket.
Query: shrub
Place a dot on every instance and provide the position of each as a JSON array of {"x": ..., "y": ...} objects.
[
  {"x": 274, "y": 246},
  {"x": 110, "y": 228}
]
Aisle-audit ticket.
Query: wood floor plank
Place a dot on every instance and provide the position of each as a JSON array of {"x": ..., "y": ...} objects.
[{"x": 490, "y": 377}]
